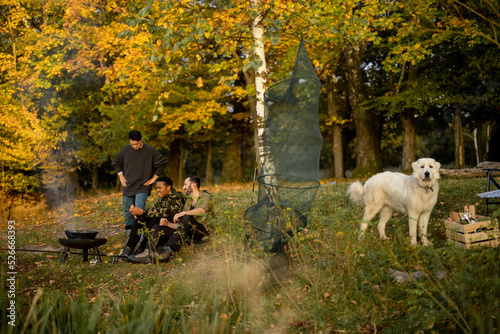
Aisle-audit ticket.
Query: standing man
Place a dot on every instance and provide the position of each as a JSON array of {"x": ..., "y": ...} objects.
[
  {"x": 170, "y": 202},
  {"x": 138, "y": 166},
  {"x": 186, "y": 226}
]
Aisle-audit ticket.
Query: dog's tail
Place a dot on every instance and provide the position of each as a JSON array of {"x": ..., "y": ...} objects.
[{"x": 357, "y": 193}]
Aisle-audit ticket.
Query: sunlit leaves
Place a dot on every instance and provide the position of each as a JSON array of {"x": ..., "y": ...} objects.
[{"x": 21, "y": 139}]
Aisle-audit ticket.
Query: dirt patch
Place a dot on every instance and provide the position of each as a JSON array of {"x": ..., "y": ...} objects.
[
  {"x": 36, "y": 249},
  {"x": 110, "y": 231}
]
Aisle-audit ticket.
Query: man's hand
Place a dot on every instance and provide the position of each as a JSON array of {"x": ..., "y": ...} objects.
[
  {"x": 123, "y": 180},
  {"x": 165, "y": 222},
  {"x": 151, "y": 180},
  {"x": 136, "y": 211},
  {"x": 178, "y": 216}
]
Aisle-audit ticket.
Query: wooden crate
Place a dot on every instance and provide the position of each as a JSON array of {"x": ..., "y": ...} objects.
[{"x": 482, "y": 233}]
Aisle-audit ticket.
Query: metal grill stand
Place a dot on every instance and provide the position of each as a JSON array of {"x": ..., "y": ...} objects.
[{"x": 84, "y": 245}]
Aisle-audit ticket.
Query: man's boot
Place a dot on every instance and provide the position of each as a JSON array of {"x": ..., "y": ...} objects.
[
  {"x": 123, "y": 255},
  {"x": 143, "y": 244},
  {"x": 144, "y": 257},
  {"x": 163, "y": 254}
]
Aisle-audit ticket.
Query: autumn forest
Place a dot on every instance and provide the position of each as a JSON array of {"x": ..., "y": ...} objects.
[{"x": 400, "y": 80}]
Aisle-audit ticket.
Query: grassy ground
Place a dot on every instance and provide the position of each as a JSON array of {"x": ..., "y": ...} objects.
[{"x": 334, "y": 283}]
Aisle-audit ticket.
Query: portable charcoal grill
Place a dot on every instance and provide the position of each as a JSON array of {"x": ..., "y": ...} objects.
[{"x": 84, "y": 240}]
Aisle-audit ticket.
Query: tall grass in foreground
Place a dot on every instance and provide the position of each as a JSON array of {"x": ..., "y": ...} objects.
[
  {"x": 334, "y": 284},
  {"x": 216, "y": 294}
]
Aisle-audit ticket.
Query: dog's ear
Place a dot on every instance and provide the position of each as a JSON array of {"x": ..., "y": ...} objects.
[
  {"x": 414, "y": 165},
  {"x": 438, "y": 166}
]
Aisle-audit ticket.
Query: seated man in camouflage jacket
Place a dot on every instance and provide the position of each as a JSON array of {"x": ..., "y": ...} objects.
[
  {"x": 170, "y": 202},
  {"x": 185, "y": 227}
]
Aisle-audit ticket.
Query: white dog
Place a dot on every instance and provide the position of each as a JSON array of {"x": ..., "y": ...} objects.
[{"x": 414, "y": 195}]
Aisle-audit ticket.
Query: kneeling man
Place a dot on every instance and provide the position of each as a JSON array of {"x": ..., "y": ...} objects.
[{"x": 170, "y": 202}]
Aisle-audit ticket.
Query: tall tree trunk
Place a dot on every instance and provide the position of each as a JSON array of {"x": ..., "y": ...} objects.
[
  {"x": 72, "y": 185},
  {"x": 231, "y": 169},
  {"x": 368, "y": 124},
  {"x": 95, "y": 177},
  {"x": 180, "y": 168},
  {"x": 479, "y": 142},
  {"x": 175, "y": 161},
  {"x": 459, "y": 138},
  {"x": 209, "y": 171},
  {"x": 257, "y": 121},
  {"x": 261, "y": 73},
  {"x": 260, "y": 88},
  {"x": 408, "y": 123},
  {"x": 338, "y": 140}
]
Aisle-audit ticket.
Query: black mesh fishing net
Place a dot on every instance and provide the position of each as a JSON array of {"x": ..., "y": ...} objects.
[{"x": 289, "y": 177}]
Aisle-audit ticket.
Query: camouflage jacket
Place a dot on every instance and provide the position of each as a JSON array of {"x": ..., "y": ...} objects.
[{"x": 166, "y": 207}]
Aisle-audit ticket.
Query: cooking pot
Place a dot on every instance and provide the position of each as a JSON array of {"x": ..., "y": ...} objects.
[{"x": 81, "y": 234}]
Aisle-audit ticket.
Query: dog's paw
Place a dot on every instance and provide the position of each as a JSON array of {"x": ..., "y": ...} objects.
[
  {"x": 427, "y": 243},
  {"x": 361, "y": 236},
  {"x": 384, "y": 237}
]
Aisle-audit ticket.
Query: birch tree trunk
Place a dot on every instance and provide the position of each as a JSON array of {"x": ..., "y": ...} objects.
[
  {"x": 260, "y": 75},
  {"x": 479, "y": 141},
  {"x": 260, "y": 88}
]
